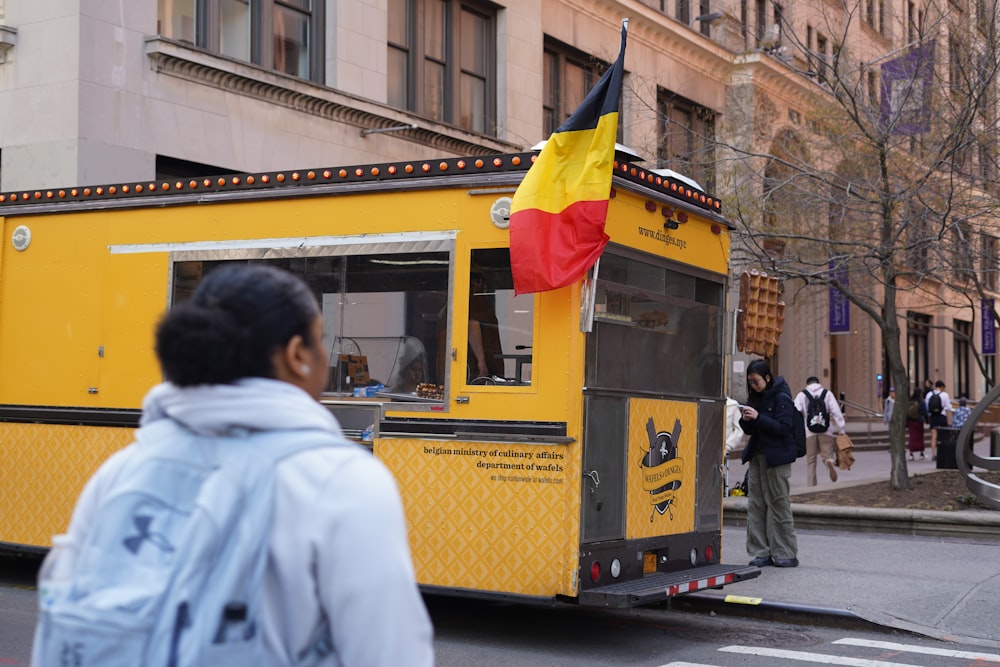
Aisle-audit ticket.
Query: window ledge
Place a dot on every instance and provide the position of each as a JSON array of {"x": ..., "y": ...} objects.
[
  {"x": 174, "y": 58},
  {"x": 8, "y": 38}
]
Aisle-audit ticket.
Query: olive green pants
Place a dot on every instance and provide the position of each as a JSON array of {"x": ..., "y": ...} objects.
[{"x": 770, "y": 528}]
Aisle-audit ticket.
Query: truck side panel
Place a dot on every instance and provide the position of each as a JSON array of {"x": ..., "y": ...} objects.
[{"x": 486, "y": 515}]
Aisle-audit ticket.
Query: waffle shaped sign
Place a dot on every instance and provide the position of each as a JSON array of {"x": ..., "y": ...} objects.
[{"x": 761, "y": 315}]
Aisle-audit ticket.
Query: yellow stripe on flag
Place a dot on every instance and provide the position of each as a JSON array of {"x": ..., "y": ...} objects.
[{"x": 579, "y": 168}]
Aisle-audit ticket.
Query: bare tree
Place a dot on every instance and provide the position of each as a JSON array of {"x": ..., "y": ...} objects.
[{"x": 890, "y": 195}]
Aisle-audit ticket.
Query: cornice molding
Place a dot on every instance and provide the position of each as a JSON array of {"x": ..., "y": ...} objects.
[
  {"x": 765, "y": 72},
  {"x": 183, "y": 61}
]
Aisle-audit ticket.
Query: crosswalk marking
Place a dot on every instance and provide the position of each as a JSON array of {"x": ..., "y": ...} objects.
[
  {"x": 805, "y": 656},
  {"x": 926, "y": 650}
]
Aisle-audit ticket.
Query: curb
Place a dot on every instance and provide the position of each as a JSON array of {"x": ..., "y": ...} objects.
[
  {"x": 760, "y": 609},
  {"x": 799, "y": 614},
  {"x": 931, "y": 523}
]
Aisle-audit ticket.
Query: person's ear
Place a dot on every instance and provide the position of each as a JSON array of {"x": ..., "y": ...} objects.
[{"x": 291, "y": 361}]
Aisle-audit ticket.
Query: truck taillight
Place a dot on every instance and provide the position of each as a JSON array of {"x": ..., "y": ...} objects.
[
  {"x": 595, "y": 571},
  {"x": 709, "y": 553}
]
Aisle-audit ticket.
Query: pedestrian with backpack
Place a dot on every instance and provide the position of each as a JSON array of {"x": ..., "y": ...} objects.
[
  {"x": 938, "y": 406},
  {"x": 769, "y": 419},
  {"x": 824, "y": 421},
  {"x": 241, "y": 527}
]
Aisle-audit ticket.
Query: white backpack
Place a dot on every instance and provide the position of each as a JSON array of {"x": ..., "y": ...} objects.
[{"x": 171, "y": 572}]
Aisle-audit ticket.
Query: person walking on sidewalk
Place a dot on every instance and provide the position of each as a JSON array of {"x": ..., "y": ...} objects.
[
  {"x": 938, "y": 406},
  {"x": 916, "y": 416},
  {"x": 890, "y": 404},
  {"x": 961, "y": 413},
  {"x": 824, "y": 421},
  {"x": 770, "y": 451}
]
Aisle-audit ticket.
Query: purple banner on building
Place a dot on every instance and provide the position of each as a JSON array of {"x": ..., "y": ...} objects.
[
  {"x": 840, "y": 307},
  {"x": 989, "y": 328},
  {"x": 906, "y": 91}
]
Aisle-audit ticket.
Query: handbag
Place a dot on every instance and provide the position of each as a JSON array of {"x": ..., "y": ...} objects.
[{"x": 845, "y": 452}]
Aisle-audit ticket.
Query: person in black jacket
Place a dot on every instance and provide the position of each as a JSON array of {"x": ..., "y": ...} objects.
[{"x": 770, "y": 452}]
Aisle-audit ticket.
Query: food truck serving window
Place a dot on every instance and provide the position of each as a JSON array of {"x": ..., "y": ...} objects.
[
  {"x": 380, "y": 314},
  {"x": 656, "y": 329},
  {"x": 500, "y": 325}
]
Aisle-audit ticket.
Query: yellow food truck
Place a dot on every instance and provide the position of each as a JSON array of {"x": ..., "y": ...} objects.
[{"x": 564, "y": 445}]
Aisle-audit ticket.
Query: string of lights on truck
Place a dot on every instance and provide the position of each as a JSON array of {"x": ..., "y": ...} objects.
[{"x": 378, "y": 172}]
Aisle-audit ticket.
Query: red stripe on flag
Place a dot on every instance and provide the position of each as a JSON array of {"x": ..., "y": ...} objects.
[{"x": 555, "y": 249}]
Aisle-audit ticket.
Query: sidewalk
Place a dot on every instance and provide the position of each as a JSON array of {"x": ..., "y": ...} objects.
[{"x": 936, "y": 586}]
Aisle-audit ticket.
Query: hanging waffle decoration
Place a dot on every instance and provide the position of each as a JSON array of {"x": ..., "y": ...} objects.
[{"x": 761, "y": 316}]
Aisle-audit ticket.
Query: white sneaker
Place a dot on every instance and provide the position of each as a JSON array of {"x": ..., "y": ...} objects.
[{"x": 832, "y": 469}]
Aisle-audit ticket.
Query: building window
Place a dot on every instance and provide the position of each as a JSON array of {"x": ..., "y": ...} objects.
[
  {"x": 917, "y": 357},
  {"x": 760, "y": 7},
  {"x": 568, "y": 75},
  {"x": 809, "y": 49},
  {"x": 686, "y": 138},
  {"x": 769, "y": 28},
  {"x": 291, "y": 36},
  {"x": 744, "y": 17},
  {"x": 822, "y": 58},
  {"x": 983, "y": 14},
  {"x": 284, "y": 35},
  {"x": 991, "y": 262},
  {"x": 684, "y": 11},
  {"x": 987, "y": 168},
  {"x": 955, "y": 78},
  {"x": 963, "y": 341},
  {"x": 442, "y": 61},
  {"x": 914, "y": 21},
  {"x": 963, "y": 251},
  {"x": 918, "y": 238},
  {"x": 705, "y": 27},
  {"x": 176, "y": 19}
]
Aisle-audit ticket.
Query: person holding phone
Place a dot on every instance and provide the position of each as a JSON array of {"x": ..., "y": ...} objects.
[{"x": 770, "y": 451}]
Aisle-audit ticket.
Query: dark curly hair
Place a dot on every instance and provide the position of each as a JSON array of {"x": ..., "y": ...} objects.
[{"x": 231, "y": 326}]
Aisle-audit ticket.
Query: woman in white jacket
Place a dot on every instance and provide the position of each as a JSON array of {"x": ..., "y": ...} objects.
[{"x": 245, "y": 353}]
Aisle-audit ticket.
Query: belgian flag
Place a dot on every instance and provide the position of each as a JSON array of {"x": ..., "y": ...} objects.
[{"x": 558, "y": 211}]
